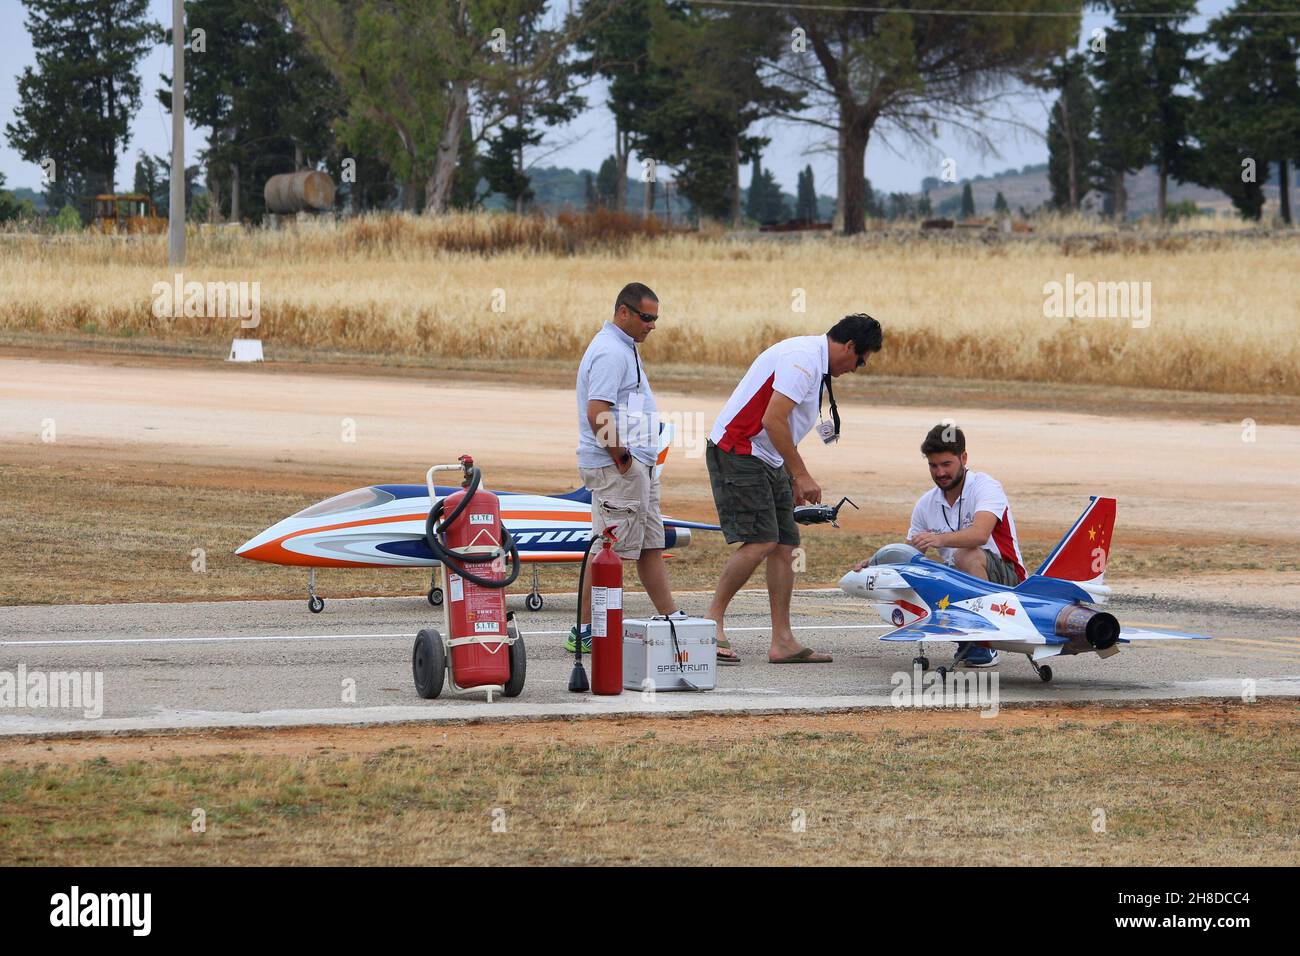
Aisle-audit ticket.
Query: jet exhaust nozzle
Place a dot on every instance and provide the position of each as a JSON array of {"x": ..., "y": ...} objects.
[{"x": 1087, "y": 627}]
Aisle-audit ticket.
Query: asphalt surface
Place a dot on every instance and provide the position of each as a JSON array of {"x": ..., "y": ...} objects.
[{"x": 272, "y": 663}]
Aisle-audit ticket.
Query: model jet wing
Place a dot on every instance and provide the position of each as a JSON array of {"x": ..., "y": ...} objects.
[{"x": 1142, "y": 634}]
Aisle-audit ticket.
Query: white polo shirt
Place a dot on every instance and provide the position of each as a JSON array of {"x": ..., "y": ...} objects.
[
  {"x": 981, "y": 492},
  {"x": 794, "y": 367}
]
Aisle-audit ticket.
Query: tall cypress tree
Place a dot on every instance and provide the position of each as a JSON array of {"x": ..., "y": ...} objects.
[
  {"x": 1125, "y": 105},
  {"x": 77, "y": 103},
  {"x": 806, "y": 206},
  {"x": 1070, "y": 147},
  {"x": 1169, "y": 68}
]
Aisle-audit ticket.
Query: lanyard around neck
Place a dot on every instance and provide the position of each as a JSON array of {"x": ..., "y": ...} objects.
[{"x": 830, "y": 393}]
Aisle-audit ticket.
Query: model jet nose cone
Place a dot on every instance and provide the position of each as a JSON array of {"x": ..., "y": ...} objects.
[
  {"x": 852, "y": 583},
  {"x": 254, "y": 549}
]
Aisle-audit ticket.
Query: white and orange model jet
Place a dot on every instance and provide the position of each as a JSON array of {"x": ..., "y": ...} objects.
[{"x": 383, "y": 526}]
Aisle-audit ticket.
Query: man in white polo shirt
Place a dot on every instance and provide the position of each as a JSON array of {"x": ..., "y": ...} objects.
[
  {"x": 618, "y": 445},
  {"x": 967, "y": 519},
  {"x": 758, "y": 475}
]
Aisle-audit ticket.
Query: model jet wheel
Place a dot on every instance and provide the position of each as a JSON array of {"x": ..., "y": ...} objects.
[
  {"x": 435, "y": 597},
  {"x": 1045, "y": 673},
  {"x": 924, "y": 662},
  {"x": 316, "y": 605},
  {"x": 533, "y": 602},
  {"x": 428, "y": 664},
  {"x": 942, "y": 672}
]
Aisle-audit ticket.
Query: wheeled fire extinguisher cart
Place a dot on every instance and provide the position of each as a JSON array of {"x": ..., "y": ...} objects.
[{"x": 479, "y": 646}]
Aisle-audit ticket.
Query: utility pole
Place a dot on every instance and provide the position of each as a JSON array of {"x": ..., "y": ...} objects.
[{"x": 176, "y": 206}]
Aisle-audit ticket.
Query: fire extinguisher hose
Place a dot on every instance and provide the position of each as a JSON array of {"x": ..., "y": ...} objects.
[{"x": 456, "y": 561}]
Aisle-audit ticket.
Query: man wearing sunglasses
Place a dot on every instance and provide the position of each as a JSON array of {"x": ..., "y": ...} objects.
[
  {"x": 618, "y": 445},
  {"x": 758, "y": 476}
]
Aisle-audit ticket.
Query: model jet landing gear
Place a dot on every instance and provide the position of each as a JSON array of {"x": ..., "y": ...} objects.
[
  {"x": 922, "y": 662},
  {"x": 435, "y": 592},
  {"x": 1042, "y": 670},
  {"x": 534, "y": 600},
  {"x": 314, "y": 604}
]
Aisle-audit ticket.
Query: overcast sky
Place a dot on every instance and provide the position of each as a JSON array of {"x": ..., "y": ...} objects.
[{"x": 584, "y": 143}]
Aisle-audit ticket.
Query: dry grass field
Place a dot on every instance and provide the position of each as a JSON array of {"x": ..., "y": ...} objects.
[
  {"x": 1179, "y": 784},
  {"x": 955, "y": 305}
]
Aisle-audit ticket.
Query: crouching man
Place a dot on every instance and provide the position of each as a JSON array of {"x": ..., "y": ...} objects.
[{"x": 967, "y": 519}]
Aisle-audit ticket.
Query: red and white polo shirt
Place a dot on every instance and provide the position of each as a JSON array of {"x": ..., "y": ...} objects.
[
  {"x": 980, "y": 492},
  {"x": 794, "y": 367}
]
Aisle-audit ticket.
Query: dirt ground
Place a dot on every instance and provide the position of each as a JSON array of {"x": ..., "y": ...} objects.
[
  {"x": 314, "y": 741},
  {"x": 117, "y": 467}
]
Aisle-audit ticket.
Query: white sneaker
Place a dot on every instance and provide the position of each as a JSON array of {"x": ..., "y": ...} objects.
[{"x": 678, "y": 615}]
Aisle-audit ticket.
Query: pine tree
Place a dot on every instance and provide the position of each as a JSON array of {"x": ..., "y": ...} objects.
[
  {"x": 76, "y": 105},
  {"x": 1248, "y": 117},
  {"x": 1000, "y": 203}
]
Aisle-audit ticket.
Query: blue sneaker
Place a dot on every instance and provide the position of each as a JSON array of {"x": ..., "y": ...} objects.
[
  {"x": 976, "y": 656},
  {"x": 572, "y": 645}
]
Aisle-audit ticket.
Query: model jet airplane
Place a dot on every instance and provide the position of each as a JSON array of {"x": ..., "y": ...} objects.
[
  {"x": 1046, "y": 615},
  {"x": 383, "y": 526}
]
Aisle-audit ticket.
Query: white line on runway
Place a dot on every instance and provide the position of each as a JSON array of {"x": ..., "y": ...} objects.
[{"x": 235, "y": 639}]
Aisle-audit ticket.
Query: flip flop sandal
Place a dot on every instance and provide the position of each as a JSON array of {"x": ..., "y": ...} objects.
[
  {"x": 731, "y": 658},
  {"x": 803, "y": 657}
]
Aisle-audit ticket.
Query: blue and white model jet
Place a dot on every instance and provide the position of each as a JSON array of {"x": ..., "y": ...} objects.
[{"x": 1048, "y": 614}]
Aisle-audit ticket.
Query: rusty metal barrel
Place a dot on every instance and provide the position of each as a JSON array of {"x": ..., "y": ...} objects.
[{"x": 308, "y": 190}]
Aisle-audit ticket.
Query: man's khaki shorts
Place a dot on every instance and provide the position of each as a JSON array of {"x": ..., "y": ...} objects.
[
  {"x": 629, "y": 502},
  {"x": 1000, "y": 570}
]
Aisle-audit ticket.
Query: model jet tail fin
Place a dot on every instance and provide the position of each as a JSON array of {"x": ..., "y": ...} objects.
[
  {"x": 1081, "y": 556},
  {"x": 665, "y": 439}
]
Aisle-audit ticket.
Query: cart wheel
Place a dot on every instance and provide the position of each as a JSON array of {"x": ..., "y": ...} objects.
[
  {"x": 1045, "y": 673},
  {"x": 428, "y": 664},
  {"x": 435, "y": 597},
  {"x": 518, "y": 665},
  {"x": 316, "y": 604},
  {"x": 533, "y": 602}
]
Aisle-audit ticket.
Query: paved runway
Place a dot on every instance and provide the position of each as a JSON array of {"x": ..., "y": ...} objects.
[{"x": 272, "y": 663}]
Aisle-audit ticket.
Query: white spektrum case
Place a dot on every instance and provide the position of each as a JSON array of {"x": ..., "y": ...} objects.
[{"x": 649, "y": 654}]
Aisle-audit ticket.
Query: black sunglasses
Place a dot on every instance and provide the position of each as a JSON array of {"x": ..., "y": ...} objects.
[{"x": 643, "y": 316}]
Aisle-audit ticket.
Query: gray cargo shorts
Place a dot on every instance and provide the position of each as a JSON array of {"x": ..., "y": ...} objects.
[{"x": 755, "y": 501}]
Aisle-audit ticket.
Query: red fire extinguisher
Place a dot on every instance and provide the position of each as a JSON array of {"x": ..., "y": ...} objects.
[{"x": 607, "y": 619}]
